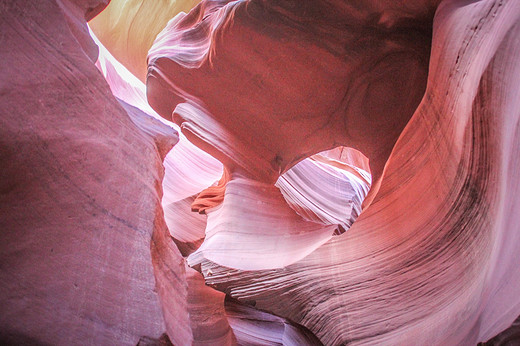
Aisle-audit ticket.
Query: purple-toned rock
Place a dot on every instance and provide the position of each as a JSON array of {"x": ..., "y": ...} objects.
[{"x": 79, "y": 190}]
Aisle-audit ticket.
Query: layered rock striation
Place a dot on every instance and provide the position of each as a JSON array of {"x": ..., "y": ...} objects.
[
  {"x": 80, "y": 189},
  {"x": 338, "y": 173},
  {"x": 431, "y": 259}
]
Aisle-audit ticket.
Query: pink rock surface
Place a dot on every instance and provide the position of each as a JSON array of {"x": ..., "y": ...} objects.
[
  {"x": 207, "y": 313},
  {"x": 88, "y": 257},
  {"x": 209, "y": 58},
  {"x": 326, "y": 190},
  {"x": 80, "y": 189},
  {"x": 188, "y": 169},
  {"x": 254, "y": 327},
  {"x": 273, "y": 235},
  {"x": 433, "y": 259}
]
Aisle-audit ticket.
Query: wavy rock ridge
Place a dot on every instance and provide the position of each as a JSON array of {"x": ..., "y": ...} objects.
[{"x": 432, "y": 241}]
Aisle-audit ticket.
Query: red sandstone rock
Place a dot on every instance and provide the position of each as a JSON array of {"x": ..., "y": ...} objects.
[
  {"x": 207, "y": 313},
  {"x": 254, "y": 327},
  {"x": 80, "y": 191},
  {"x": 279, "y": 84},
  {"x": 433, "y": 260},
  {"x": 406, "y": 249}
]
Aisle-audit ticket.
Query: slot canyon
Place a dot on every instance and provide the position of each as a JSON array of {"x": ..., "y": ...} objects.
[{"x": 260, "y": 172}]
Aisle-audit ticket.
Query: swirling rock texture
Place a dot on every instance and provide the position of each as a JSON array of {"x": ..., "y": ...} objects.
[
  {"x": 260, "y": 85},
  {"x": 253, "y": 241},
  {"x": 189, "y": 229}
]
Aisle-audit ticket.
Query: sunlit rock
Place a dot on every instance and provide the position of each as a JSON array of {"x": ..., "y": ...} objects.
[
  {"x": 325, "y": 189},
  {"x": 432, "y": 259},
  {"x": 128, "y": 28}
]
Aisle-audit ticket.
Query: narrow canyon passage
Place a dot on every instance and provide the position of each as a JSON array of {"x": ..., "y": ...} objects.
[{"x": 260, "y": 172}]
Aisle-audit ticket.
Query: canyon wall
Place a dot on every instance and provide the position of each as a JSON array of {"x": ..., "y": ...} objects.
[{"x": 238, "y": 218}]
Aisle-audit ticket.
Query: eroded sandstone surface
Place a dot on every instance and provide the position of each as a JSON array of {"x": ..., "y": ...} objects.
[
  {"x": 80, "y": 189},
  {"x": 238, "y": 218}
]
